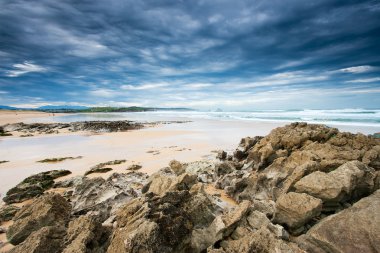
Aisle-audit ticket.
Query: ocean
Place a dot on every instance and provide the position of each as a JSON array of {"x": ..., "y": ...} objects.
[{"x": 349, "y": 117}]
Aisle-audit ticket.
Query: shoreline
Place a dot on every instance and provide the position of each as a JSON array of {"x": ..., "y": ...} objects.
[{"x": 148, "y": 147}]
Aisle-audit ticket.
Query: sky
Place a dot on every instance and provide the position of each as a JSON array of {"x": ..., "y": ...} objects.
[{"x": 202, "y": 54}]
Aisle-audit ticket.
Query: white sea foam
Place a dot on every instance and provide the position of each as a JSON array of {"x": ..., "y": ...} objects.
[{"x": 352, "y": 117}]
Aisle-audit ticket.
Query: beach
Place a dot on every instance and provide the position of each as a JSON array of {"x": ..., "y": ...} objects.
[
  {"x": 201, "y": 163},
  {"x": 151, "y": 147}
]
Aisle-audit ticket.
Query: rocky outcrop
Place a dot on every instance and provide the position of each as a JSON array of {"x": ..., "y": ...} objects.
[
  {"x": 296, "y": 209},
  {"x": 48, "y": 210},
  {"x": 105, "y": 196},
  {"x": 166, "y": 180},
  {"x": 162, "y": 223},
  {"x": 47, "y": 239},
  {"x": 302, "y": 188},
  {"x": 86, "y": 234},
  {"x": 289, "y": 153},
  {"x": 33, "y": 186},
  {"x": 245, "y": 146},
  {"x": 94, "y": 126},
  {"x": 350, "y": 181},
  {"x": 355, "y": 229}
]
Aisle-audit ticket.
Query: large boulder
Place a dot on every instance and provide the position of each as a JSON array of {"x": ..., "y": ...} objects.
[
  {"x": 33, "y": 186},
  {"x": 355, "y": 229},
  {"x": 296, "y": 209},
  {"x": 351, "y": 180},
  {"x": 164, "y": 181},
  {"x": 162, "y": 223},
  {"x": 45, "y": 240},
  {"x": 106, "y": 196},
  {"x": 47, "y": 210},
  {"x": 251, "y": 231},
  {"x": 86, "y": 234}
]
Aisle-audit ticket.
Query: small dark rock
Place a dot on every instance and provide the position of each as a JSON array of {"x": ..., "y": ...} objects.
[{"x": 33, "y": 186}]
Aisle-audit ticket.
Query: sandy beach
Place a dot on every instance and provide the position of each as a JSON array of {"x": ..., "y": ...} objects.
[
  {"x": 152, "y": 147},
  {"x": 14, "y": 116}
]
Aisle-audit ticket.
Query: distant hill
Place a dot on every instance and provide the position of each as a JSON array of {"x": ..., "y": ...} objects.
[
  {"x": 64, "y": 107},
  {"x": 5, "y": 107},
  {"x": 78, "y": 109}
]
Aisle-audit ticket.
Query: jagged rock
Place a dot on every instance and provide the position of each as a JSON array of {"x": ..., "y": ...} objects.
[
  {"x": 177, "y": 167},
  {"x": 105, "y": 196},
  {"x": 47, "y": 239},
  {"x": 351, "y": 180},
  {"x": 7, "y": 212},
  {"x": 47, "y": 210},
  {"x": 33, "y": 186},
  {"x": 355, "y": 229},
  {"x": 267, "y": 207},
  {"x": 162, "y": 223},
  {"x": 226, "y": 181},
  {"x": 253, "y": 232},
  {"x": 296, "y": 209},
  {"x": 224, "y": 168},
  {"x": 221, "y": 154},
  {"x": 204, "y": 170},
  {"x": 289, "y": 153},
  {"x": 244, "y": 146},
  {"x": 86, "y": 234},
  {"x": 161, "y": 182},
  {"x": 70, "y": 182},
  {"x": 221, "y": 226}
]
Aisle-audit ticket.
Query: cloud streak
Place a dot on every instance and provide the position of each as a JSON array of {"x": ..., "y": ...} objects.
[
  {"x": 24, "y": 68},
  {"x": 190, "y": 53}
]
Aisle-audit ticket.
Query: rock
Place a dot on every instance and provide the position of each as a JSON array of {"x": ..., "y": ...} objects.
[
  {"x": 47, "y": 239},
  {"x": 223, "y": 168},
  {"x": 355, "y": 229},
  {"x": 161, "y": 182},
  {"x": 3, "y": 230},
  {"x": 289, "y": 153},
  {"x": 7, "y": 212},
  {"x": 221, "y": 154},
  {"x": 98, "y": 170},
  {"x": 106, "y": 196},
  {"x": 70, "y": 182},
  {"x": 177, "y": 167},
  {"x": 33, "y": 186},
  {"x": 94, "y": 126},
  {"x": 351, "y": 180},
  {"x": 204, "y": 170},
  {"x": 252, "y": 232},
  {"x": 86, "y": 234},
  {"x": 162, "y": 223},
  {"x": 134, "y": 167},
  {"x": 296, "y": 209},
  {"x": 47, "y": 210},
  {"x": 244, "y": 146}
]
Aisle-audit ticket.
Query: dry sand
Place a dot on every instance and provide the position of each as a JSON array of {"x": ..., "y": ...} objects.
[{"x": 15, "y": 116}]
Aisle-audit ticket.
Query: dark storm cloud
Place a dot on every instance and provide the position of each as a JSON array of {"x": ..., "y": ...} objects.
[{"x": 193, "y": 52}]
